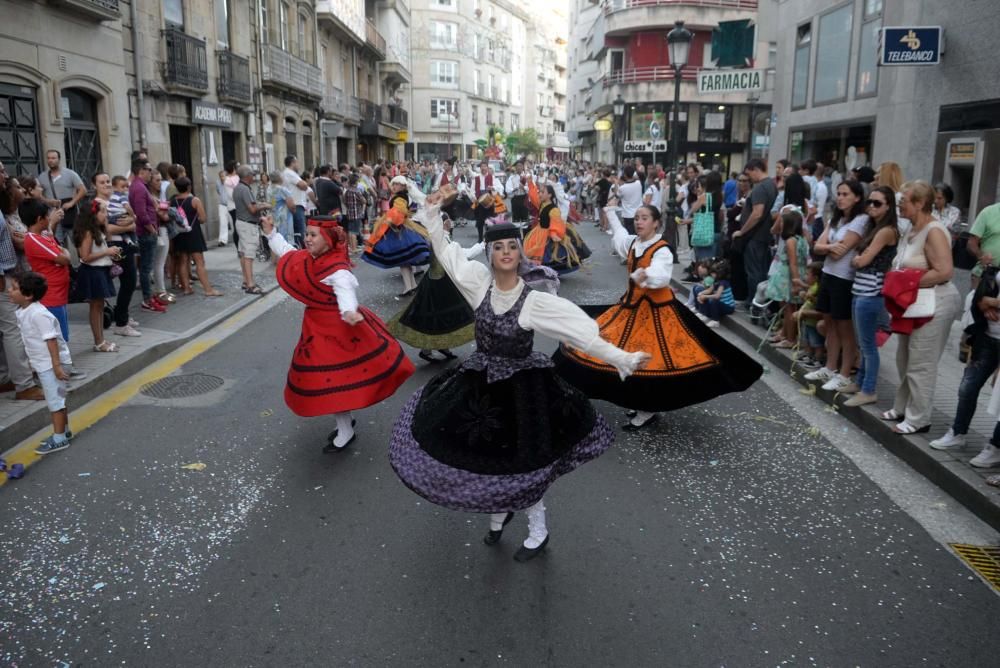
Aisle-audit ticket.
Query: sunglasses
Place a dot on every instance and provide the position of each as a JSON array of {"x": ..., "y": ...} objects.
[{"x": 874, "y": 203}]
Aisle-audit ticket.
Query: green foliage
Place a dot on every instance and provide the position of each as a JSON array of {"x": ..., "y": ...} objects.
[{"x": 525, "y": 142}]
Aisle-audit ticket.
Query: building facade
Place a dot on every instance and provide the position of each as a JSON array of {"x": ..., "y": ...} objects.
[
  {"x": 547, "y": 79},
  {"x": 63, "y": 86},
  {"x": 619, "y": 48},
  {"x": 836, "y": 104}
]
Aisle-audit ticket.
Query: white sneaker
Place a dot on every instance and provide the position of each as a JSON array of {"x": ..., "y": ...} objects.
[
  {"x": 821, "y": 373},
  {"x": 949, "y": 440},
  {"x": 988, "y": 458},
  {"x": 702, "y": 316},
  {"x": 132, "y": 322},
  {"x": 714, "y": 324},
  {"x": 127, "y": 330},
  {"x": 836, "y": 383}
]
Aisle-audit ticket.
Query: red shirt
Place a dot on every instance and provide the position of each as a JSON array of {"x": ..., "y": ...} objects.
[{"x": 41, "y": 253}]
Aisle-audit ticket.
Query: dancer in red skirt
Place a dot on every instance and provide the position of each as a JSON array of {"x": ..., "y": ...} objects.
[{"x": 345, "y": 359}]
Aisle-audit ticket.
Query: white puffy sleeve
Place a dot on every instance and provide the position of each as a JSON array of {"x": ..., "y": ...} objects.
[
  {"x": 471, "y": 278},
  {"x": 345, "y": 286},
  {"x": 278, "y": 244},
  {"x": 566, "y": 322},
  {"x": 659, "y": 272},
  {"x": 475, "y": 251},
  {"x": 621, "y": 240}
]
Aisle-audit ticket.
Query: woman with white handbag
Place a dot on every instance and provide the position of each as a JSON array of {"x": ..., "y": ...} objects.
[{"x": 926, "y": 247}]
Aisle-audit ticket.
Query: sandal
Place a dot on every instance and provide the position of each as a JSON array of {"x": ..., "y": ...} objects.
[
  {"x": 904, "y": 428},
  {"x": 785, "y": 343},
  {"x": 213, "y": 293},
  {"x": 106, "y": 347},
  {"x": 253, "y": 290},
  {"x": 891, "y": 416}
]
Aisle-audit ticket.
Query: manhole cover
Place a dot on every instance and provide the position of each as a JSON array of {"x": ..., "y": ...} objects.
[
  {"x": 177, "y": 387},
  {"x": 985, "y": 560}
]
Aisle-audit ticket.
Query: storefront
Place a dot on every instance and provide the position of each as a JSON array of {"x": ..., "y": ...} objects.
[
  {"x": 967, "y": 154},
  {"x": 849, "y": 144}
]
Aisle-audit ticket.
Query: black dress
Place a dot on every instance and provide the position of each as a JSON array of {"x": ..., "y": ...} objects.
[{"x": 193, "y": 241}]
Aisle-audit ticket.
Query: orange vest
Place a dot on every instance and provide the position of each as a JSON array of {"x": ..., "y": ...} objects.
[{"x": 658, "y": 296}]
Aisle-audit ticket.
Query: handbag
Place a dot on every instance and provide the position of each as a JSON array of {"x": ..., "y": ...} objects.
[
  {"x": 703, "y": 225},
  {"x": 923, "y": 305}
]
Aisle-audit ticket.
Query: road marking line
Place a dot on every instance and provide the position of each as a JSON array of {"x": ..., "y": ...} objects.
[{"x": 98, "y": 408}]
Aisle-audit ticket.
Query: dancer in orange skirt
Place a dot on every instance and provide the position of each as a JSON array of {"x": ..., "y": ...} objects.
[
  {"x": 553, "y": 242},
  {"x": 690, "y": 363}
]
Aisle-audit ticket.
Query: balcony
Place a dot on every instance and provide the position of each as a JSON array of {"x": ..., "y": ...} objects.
[
  {"x": 634, "y": 75},
  {"x": 233, "y": 84},
  {"x": 282, "y": 70},
  {"x": 185, "y": 70},
  {"x": 374, "y": 40},
  {"x": 342, "y": 17},
  {"x": 371, "y": 117},
  {"x": 99, "y": 10},
  {"x": 338, "y": 104},
  {"x": 545, "y": 110},
  {"x": 626, "y": 16},
  {"x": 394, "y": 115}
]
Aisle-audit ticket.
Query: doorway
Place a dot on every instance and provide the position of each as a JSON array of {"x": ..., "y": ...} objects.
[
  {"x": 21, "y": 152},
  {"x": 180, "y": 146},
  {"x": 230, "y": 144}
]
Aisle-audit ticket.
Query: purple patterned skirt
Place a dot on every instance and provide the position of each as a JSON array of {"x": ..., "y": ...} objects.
[{"x": 465, "y": 472}]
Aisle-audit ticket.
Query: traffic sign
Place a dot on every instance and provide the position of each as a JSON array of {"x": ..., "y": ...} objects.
[{"x": 654, "y": 130}]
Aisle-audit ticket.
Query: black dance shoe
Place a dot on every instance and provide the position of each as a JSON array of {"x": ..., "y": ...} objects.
[
  {"x": 631, "y": 413},
  {"x": 493, "y": 537},
  {"x": 333, "y": 434},
  {"x": 330, "y": 447},
  {"x": 628, "y": 426},
  {"x": 448, "y": 355},
  {"x": 527, "y": 554},
  {"x": 428, "y": 356}
]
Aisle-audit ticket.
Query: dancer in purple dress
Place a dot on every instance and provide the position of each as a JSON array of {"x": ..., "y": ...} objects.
[{"x": 492, "y": 434}]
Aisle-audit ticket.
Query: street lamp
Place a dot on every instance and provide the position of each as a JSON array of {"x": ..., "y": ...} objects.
[
  {"x": 618, "y": 106},
  {"x": 679, "y": 44}
]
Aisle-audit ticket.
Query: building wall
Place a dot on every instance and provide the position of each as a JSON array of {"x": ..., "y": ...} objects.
[{"x": 45, "y": 49}]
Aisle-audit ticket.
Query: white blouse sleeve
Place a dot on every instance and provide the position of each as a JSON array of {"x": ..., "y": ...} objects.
[
  {"x": 278, "y": 244},
  {"x": 345, "y": 286},
  {"x": 561, "y": 319},
  {"x": 621, "y": 240},
  {"x": 471, "y": 278},
  {"x": 660, "y": 270},
  {"x": 474, "y": 251}
]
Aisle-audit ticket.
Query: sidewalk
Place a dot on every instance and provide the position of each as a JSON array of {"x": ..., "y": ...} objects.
[
  {"x": 161, "y": 334},
  {"x": 950, "y": 469}
]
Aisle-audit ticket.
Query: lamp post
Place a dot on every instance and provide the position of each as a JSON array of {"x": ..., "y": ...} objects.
[
  {"x": 679, "y": 44},
  {"x": 618, "y": 106}
]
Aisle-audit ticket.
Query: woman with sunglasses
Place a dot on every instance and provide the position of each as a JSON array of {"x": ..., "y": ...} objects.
[{"x": 875, "y": 254}]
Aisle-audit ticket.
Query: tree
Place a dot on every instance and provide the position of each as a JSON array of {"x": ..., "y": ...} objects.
[{"x": 525, "y": 142}]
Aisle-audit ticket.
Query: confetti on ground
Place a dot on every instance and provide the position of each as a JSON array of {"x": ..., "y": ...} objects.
[{"x": 196, "y": 466}]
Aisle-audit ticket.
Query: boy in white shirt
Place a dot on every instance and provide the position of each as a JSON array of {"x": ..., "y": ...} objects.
[{"x": 47, "y": 353}]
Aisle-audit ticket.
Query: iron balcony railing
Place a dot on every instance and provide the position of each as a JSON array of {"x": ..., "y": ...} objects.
[
  {"x": 648, "y": 74},
  {"x": 371, "y": 116},
  {"x": 186, "y": 65},
  {"x": 395, "y": 116},
  {"x": 612, "y": 6},
  {"x": 283, "y": 70},
  {"x": 234, "y": 78}
]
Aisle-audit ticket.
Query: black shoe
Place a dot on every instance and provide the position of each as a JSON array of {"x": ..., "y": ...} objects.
[
  {"x": 628, "y": 426},
  {"x": 631, "y": 413},
  {"x": 448, "y": 355},
  {"x": 493, "y": 537},
  {"x": 333, "y": 434},
  {"x": 527, "y": 554},
  {"x": 330, "y": 447},
  {"x": 427, "y": 356}
]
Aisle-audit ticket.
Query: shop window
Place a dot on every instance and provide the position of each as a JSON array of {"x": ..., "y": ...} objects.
[
  {"x": 716, "y": 123},
  {"x": 800, "y": 76},
  {"x": 833, "y": 55}
]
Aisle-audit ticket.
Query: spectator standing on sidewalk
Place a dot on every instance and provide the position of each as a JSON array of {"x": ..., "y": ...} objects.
[
  {"x": 121, "y": 233},
  {"x": 46, "y": 257},
  {"x": 755, "y": 230},
  {"x": 984, "y": 240},
  {"x": 248, "y": 213},
  {"x": 47, "y": 354},
  {"x": 160, "y": 293},
  {"x": 299, "y": 190},
  {"x": 93, "y": 283},
  {"x": 15, "y": 372},
  {"x": 147, "y": 228},
  {"x": 630, "y": 195},
  {"x": 354, "y": 211},
  {"x": 191, "y": 245},
  {"x": 63, "y": 188},
  {"x": 928, "y": 248}
]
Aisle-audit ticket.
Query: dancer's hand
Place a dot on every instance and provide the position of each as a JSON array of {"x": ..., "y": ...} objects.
[{"x": 352, "y": 317}]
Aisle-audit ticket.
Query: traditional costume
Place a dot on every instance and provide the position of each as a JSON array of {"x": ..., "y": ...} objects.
[
  {"x": 690, "y": 363},
  {"x": 492, "y": 434},
  {"x": 397, "y": 241},
  {"x": 553, "y": 242},
  {"x": 337, "y": 367}
]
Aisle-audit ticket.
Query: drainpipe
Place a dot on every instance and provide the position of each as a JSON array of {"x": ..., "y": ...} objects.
[
  {"x": 137, "y": 64},
  {"x": 260, "y": 82}
]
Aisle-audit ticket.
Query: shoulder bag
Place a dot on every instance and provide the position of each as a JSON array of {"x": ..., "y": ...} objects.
[{"x": 703, "y": 225}]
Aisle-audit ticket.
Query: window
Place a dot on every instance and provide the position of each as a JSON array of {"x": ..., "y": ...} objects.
[
  {"x": 444, "y": 73},
  {"x": 173, "y": 12},
  {"x": 444, "y": 110},
  {"x": 222, "y": 23},
  {"x": 476, "y": 83},
  {"x": 489, "y": 116},
  {"x": 492, "y": 87},
  {"x": 302, "y": 37},
  {"x": 446, "y": 5},
  {"x": 800, "y": 77},
  {"x": 477, "y": 49},
  {"x": 558, "y": 126},
  {"x": 833, "y": 55},
  {"x": 475, "y": 117},
  {"x": 867, "y": 78},
  {"x": 515, "y": 122},
  {"x": 503, "y": 92},
  {"x": 500, "y": 118},
  {"x": 283, "y": 25},
  {"x": 873, "y": 8},
  {"x": 444, "y": 35},
  {"x": 716, "y": 123},
  {"x": 265, "y": 23}
]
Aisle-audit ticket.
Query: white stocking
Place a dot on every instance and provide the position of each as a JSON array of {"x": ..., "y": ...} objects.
[
  {"x": 408, "y": 281},
  {"x": 641, "y": 417},
  {"x": 536, "y": 526},
  {"x": 496, "y": 521},
  {"x": 344, "y": 429}
]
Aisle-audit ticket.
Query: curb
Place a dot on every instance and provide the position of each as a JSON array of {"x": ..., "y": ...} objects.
[
  {"x": 952, "y": 476},
  {"x": 94, "y": 387}
]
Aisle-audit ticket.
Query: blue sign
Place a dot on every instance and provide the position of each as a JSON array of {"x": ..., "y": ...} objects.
[{"x": 911, "y": 46}]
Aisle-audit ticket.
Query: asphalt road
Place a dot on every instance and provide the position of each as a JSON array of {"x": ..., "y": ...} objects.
[{"x": 755, "y": 530}]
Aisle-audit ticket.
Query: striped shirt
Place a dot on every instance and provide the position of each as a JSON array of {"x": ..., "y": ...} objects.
[
  {"x": 727, "y": 294},
  {"x": 868, "y": 281}
]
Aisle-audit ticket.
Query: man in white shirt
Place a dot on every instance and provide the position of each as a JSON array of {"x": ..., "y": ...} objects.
[
  {"x": 630, "y": 195},
  {"x": 818, "y": 194},
  {"x": 516, "y": 189},
  {"x": 300, "y": 193}
]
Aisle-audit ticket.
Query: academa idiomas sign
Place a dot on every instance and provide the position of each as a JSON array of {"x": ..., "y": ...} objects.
[{"x": 730, "y": 81}]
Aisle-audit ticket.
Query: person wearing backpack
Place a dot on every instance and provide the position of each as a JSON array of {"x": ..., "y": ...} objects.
[
  {"x": 706, "y": 216},
  {"x": 190, "y": 245}
]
